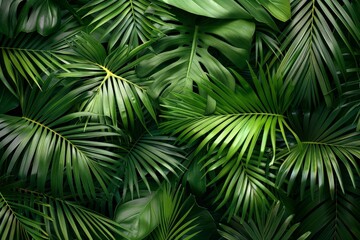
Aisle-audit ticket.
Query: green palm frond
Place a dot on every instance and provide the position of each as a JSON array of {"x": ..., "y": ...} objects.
[
  {"x": 72, "y": 221},
  {"x": 331, "y": 218},
  {"x": 33, "y": 57},
  {"x": 242, "y": 9},
  {"x": 116, "y": 93},
  {"x": 239, "y": 120},
  {"x": 22, "y": 215},
  {"x": 328, "y": 143},
  {"x": 243, "y": 187},
  {"x": 150, "y": 155},
  {"x": 312, "y": 45},
  {"x": 192, "y": 48},
  {"x": 46, "y": 143},
  {"x": 127, "y": 22},
  {"x": 270, "y": 224}
]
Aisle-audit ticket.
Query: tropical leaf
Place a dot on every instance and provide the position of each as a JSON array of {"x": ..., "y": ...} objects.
[
  {"x": 117, "y": 93},
  {"x": 312, "y": 45},
  {"x": 22, "y": 215},
  {"x": 130, "y": 22},
  {"x": 243, "y": 187},
  {"x": 33, "y": 57},
  {"x": 29, "y": 16},
  {"x": 46, "y": 143},
  {"x": 328, "y": 143},
  {"x": 240, "y": 120},
  {"x": 242, "y": 9},
  {"x": 270, "y": 224},
  {"x": 191, "y": 49},
  {"x": 331, "y": 218},
  {"x": 140, "y": 216},
  {"x": 149, "y": 155},
  {"x": 7, "y": 100},
  {"x": 70, "y": 220}
]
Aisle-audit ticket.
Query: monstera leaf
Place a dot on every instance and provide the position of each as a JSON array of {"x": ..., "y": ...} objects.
[
  {"x": 29, "y": 16},
  {"x": 237, "y": 9},
  {"x": 191, "y": 50}
]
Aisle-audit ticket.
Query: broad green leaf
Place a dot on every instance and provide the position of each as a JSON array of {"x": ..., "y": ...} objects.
[
  {"x": 140, "y": 216},
  {"x": 186, "y": 54}
]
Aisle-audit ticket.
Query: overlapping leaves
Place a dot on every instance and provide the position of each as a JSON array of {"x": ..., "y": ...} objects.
[
  {"x": 192, "y": 48},
  {"x": 240, "y": 9},
  {"x": 47, "y": 143},
  {"x": 328, "y": 143},
  {"x": 239, "y": 120},
  {"x": 269, "y": 224},
  {"x": 117, "y": 93},
  {"x": 125, "y": 22},
  {"x": 312, "y": 42}
]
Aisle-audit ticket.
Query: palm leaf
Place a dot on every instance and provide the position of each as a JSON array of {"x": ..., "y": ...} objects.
[
  {"x": 192, "y": 48},
  {"x": 117, "y": 93},
  {"x": 130, "y": 22},
  {"x": 32, "y": 57},
  {"x": 71, "y": 220},
  {"x": 149, "y": 155},
  {"x": 240, "y": 120},
  {"x": 270, "y": 224},
  {"x": 21, "y": 214},
  {"x": 242, "y": 9},
  {"x": 243, "y": 187},
  {"x": 328, "y": 143},
  {"x": 331, "y": 218},
  {"x": 46, "y": 143},
  {"x": 312, "y": 45}
]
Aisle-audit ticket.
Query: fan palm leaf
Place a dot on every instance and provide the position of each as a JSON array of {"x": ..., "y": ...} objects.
[
  {"x": 311, "y": 44},
  {"x": 127, "y": 22},
  {"x": 192, "y": 48},
  {"x": 328, "y": 143},
  {"x": 117, "y": 93},
  {"x": 47, "y": 143}
]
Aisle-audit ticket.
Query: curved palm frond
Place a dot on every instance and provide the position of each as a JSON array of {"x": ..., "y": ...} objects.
[
  {"x": 22, "y": 215},
  {"x": 311, "y": 43},
  {"x": 328, "y": 143},
  {"x": 238, "y": 121},
  {"x": 117, "y": 93},
  {"x": 70, "y": 220},
  {"x": 46, "y": 143},
  {"x": 244, "y": 186},
  {"x": 127, "y": 22},
  {"x": 331, "y": 218},
  {"x": 33, "y": 57},
  {"x": 242, "y": 9},
  {"x": 192, "y": 48},
  {"x": 270, "y": 224},
  {"x": 150, "y": 155}
]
